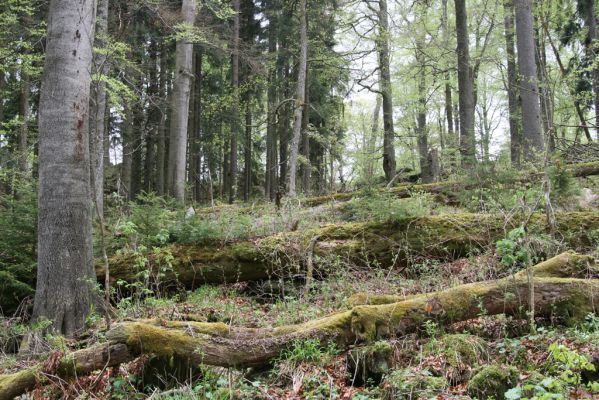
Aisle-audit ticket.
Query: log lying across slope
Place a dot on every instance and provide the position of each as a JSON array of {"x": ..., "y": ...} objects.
[
  {"x": 404, "y": 191},
  {"x": 218, "y": 344},
  {"x": 393, "y": 243}
]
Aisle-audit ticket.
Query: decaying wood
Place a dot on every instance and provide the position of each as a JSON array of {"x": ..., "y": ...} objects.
[
  {"x": 389, "y": 244},
  {"x": 559, "y": 292}
]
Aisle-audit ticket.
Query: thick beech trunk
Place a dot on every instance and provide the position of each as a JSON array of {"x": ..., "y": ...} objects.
[
  {"x": 390, "y": 244},
  {"x": 559, "y": 292},
  {"x": 65, "y": 256}
]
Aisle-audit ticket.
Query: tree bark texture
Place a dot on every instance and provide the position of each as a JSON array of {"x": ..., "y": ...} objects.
[
  {"x": 65, "y": 257},
  {"x": 180, "y": 106},
  {"x": 532, "y": 136}
]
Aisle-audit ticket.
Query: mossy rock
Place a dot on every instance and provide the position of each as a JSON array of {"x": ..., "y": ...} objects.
[
  {"x": 411, "y": 383},
  {"x": 458, "y": 353},
  {"x": 369, "y": 363},
  {"x": 492, "y": 381}
]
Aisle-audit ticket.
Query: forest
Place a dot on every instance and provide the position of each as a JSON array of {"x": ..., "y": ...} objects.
[{"x": 299, "y": 199}]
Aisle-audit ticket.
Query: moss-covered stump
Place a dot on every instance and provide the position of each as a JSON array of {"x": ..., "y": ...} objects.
[
  {"x": 393, "y": 243},
  {"x": 456, "y": 355},
  {"x": 368, "y": 364},
  {"x": 492, "y": 381},
  {"x": 411, "y": 383}
]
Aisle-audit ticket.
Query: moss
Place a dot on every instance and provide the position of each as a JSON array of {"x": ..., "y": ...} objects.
[
  {"x": 492, "y": 381},
  {"x": 412, "y": 383},
  {"x": 369, "y": 363},
  {"x": 457, "y": 353},
  {"x": 12, "y": 385}
]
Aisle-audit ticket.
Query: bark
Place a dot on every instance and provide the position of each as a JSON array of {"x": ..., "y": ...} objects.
[
  {"x": 180, "y": 106},
  {"x": 196, "y": 172},
  {"x": 154, "y": 118},
  {"x": 447, "y": 77},
  {"x": 98, "y": 107},
  {"x": 512, "y": 85},
  {"x": 421, "y": 128},
  {"x": 65, "y": 258},
  {"x": 161, "y": 142},
  {"x": 389, "y": 244},
  {"x": 532, "y": 136},
  {"x": 247, "y": 158},
  {"x": 232, "y": 170},
  {"x": 270, "y": 187},
  {"x": 592, "y": 50},
  {"x": 126, "y": 166},
  {"x": 557, "y": 294},
  {"x": 306, "y": 168},
  {"x": 382, "y": 45},
  {"x": 466, "y": 87},
  {"x": 300, "y": 97},
  {"x": 23, "y": 149}
]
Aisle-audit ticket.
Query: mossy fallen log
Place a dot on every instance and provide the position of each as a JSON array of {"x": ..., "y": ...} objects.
[
  {"x": 388, "y": 244},
  {"x": 578, "y": 170},
  {"x": 227, "y": 346},
  {"x": 78, "y": 363}
]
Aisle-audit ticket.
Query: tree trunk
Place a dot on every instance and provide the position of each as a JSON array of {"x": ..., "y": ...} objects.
[
  {"x": 300, "y": 97},
  {"x": 382, "y": 45},
  {"x": 127, "y": 143},
  {"x": 65, "y": 257},
  {"x": 591, "y": 45},
  {"x": 161, "y": 142},
  {"x": 235, "y": 124},
  {"x": 247, "y": 158},
  {"x": 447, "y": 77},
  {"x": 270, "y": 187},
  {"x": 98, "y": 107},
  {"x": 196, "y": 173},
  {"x": 370, "y": 148},
  {"x": 512, "y": 85},
  {"x": 154, "y": 118},
  {"x": 466, "y": 89},
  {"x": 421, "y": 128},
  {"x": 281, "y": 256},
  {"x": 23, "y": 149},
  {"x": 180, "y": 106},
  {"x": 306, "y": 168},
  {"x": 532, "y": 136}
]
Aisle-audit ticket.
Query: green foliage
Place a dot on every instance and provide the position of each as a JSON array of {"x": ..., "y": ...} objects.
[
  {"x": 411, "y": 383},
  {"x": 381, "y": 207},
  {"x": 308, "y": 350},
  {"x": 18, "y": 242},
  {"x": 521, "y": 249},
  {"x": 563, "y": 184},
  {"x": 492, "y": 381}
]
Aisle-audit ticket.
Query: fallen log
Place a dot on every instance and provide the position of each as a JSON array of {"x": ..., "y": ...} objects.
[
  {"x": 578, "y": 170},
  {"x": 388, "y": 244},
  {"x": 78, "y": 363},
  {"x": 227, "y": 346}
]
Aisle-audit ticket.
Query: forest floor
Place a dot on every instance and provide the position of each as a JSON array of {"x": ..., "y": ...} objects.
[{"x": 489, "y": 356}]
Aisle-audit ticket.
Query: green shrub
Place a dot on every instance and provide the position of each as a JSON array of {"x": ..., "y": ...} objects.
[
  {"x": 381, "y": 207},
  {"x": 492, "y": 381},
  {"x": 411, "y": 383}
]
